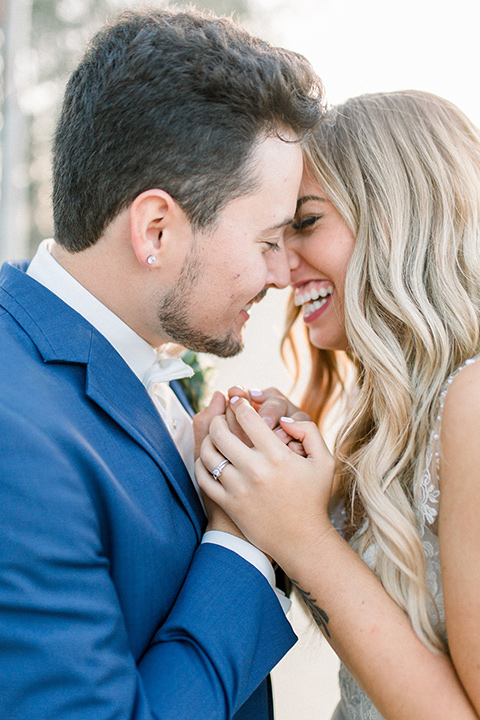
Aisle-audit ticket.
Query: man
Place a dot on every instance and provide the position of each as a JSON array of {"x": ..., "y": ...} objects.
[{"x": 176, "y": 170}]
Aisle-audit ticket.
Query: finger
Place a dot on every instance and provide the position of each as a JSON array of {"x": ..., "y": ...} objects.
[
  {"x": 201, "y": 421},
  {"x": 270, "y": 404},
  {"x": 282, "y": 435},
  {"x": 235, "y": 427},
  {"x": 207, "y": 484},
  {"x": 293, "y": 445},
  {"x": 266, "y": 393},
  {"x": 210, "y": 456},
  {"x": 238, "y": 391},
  {"x": 299, "y": 415},
  {"x": 216, "y": 406},
  {"x": 272, "y": 409},
  {"x": 308, "y": 434},
  {"x": 273, "y": 393},
  {"x": 256, "y": 397},
  {"x": 253, "y": 426},
  {"x": 229, "y": 445},
  {"x": 297, "y": 448}
]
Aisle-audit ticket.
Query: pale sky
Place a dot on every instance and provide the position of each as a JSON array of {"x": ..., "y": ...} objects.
[{"x": 361, "y": 46}]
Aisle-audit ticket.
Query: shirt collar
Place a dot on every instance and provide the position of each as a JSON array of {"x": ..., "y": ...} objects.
[{"x": 139, "y": 355}]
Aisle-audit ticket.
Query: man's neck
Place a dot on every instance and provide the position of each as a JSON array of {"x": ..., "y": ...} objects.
[{"x": 110, "y": 276}]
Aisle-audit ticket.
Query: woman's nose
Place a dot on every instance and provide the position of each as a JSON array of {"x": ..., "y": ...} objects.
[
  {"x": 293, "y": 258},
  {"x": 279, "y": 271}
]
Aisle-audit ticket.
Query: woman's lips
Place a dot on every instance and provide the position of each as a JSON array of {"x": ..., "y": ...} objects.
[
  {"x": 313, "y": 297},
  {"x": 313, "y": 310}
]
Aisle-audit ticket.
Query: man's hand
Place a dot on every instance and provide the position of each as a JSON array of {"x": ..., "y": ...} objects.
[{"x": 202, "y": 420}]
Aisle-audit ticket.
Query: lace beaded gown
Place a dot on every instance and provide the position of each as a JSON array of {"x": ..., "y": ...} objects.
[{"x": 354, "y": 704}]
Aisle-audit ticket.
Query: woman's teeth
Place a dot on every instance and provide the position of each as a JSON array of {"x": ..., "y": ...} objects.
[
  {"x": 310, "y": 308},
  {"x": 314, "y": 299}
]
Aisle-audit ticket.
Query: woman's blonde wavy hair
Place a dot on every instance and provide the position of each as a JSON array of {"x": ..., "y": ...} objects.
[{"x": 403, "y": 169}]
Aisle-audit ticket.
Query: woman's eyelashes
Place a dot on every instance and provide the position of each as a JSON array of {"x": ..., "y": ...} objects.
[{"x": 306, "y": 222}]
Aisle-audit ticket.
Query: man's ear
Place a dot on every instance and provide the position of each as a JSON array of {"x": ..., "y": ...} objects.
[{"x": 151, "y": 213}]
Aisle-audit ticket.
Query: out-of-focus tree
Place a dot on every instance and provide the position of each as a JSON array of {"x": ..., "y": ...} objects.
[
  {"x": 241, "y": 9},
  {"x": 61, "y": 29},
  {"x": 14, "y": 225},
  {"x": 41, "y": 42}
]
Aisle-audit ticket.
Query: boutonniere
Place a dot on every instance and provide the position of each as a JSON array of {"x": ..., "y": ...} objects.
[{"x": 196, "y": 387}]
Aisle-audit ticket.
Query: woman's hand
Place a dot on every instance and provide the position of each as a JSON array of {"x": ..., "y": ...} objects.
[
  {"x": 271, "y": 405},
  {"x": 278, "y": 498},
  {"x": 217, "y": 518}
]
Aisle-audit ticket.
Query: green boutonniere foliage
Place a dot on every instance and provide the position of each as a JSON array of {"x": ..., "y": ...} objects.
[{"x": 195, "y": 387}]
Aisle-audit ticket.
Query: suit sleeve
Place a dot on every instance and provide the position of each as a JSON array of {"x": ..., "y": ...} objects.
[{"x": 65, "y": 653}]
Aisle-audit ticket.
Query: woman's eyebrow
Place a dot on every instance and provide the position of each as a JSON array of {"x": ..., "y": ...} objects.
[{"x": 306, "y": 198}]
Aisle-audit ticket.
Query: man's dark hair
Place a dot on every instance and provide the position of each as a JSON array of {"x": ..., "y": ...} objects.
[{"x": 171, "y": 100}]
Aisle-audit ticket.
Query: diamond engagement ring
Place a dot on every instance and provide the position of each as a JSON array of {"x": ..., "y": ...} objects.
[{"x": 218, "y": 470}]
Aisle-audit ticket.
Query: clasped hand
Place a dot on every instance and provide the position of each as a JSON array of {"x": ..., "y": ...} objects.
[{"x": 277, "y": 484}]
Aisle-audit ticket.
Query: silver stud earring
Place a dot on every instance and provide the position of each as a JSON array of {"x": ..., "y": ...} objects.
[{"x": 151, "y": 259}]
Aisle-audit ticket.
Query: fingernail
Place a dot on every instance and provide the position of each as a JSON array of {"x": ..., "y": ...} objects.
[
  {"x": 287, "y": 419},
  {"x": 255, "y": 393},
  {"x": 268, "y": 421},
  {"x": 234, "y": 399}
]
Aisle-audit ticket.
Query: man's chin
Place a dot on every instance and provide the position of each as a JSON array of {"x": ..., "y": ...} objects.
[
  {"x": 181, "y": 332},
  {"x": 233, "y": 352},
  {"x": 223, "y": 347}
]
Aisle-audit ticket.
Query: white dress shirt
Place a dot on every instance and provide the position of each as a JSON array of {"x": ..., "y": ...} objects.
[{"x": 154, "y": 367}]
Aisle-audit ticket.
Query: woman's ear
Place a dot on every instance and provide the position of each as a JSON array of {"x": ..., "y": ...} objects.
[{"x": 150, "y": 214}]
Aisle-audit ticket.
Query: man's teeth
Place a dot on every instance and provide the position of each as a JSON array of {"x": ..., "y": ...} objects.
[{"x": 311, "y": 298}]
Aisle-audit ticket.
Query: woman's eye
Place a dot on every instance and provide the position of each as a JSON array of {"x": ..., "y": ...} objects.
[{"x": 305, "y": 223}]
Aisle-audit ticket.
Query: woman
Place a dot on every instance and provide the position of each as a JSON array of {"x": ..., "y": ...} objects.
[{"x": 385, "y": 264}]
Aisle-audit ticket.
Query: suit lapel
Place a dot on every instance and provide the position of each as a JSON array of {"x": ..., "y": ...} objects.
[
  {"x": 62, "y": 335},
  {"x": 179, "y": 392},
  {"x": 118, "y": 391}
]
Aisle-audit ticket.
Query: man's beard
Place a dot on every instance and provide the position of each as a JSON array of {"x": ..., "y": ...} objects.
[{"x": 173, "y": 315}]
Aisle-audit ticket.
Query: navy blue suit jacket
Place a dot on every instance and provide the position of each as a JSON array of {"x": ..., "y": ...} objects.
[{"x": 109, "y": 607}]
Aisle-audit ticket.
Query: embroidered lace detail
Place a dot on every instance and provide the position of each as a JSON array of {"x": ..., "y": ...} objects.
[
  {"x": 428, "y": 505},
  {"x": 427, "y": 510},
  {"x": 354, "y": 704}
]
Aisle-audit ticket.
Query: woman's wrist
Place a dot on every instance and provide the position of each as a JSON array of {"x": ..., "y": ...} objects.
[{"x": 306, "y": 548}]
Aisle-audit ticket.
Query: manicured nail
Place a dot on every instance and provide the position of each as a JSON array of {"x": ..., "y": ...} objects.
[
  {"x": 234, "y": 399},
  {"x": 268, "y": 421},
  {"x": 287, "y": 419},
  {"x": 255, "y": 393}
]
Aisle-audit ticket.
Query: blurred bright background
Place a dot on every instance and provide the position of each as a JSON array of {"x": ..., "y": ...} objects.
[{"x": 355, "y": 46}]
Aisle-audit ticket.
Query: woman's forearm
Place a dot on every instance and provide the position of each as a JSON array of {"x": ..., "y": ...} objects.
[{"x": 371, "y": 635}]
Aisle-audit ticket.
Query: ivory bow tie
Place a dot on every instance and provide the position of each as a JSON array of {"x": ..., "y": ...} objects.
[{"x": 165, "y": 369}]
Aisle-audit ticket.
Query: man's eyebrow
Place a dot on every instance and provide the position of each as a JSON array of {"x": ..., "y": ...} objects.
[
  {"x": 282, "y": 224},
  {"x": 306, "y": 198}
]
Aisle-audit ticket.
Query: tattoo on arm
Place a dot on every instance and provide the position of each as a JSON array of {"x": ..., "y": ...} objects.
[{"x": 319, "y": 615}]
